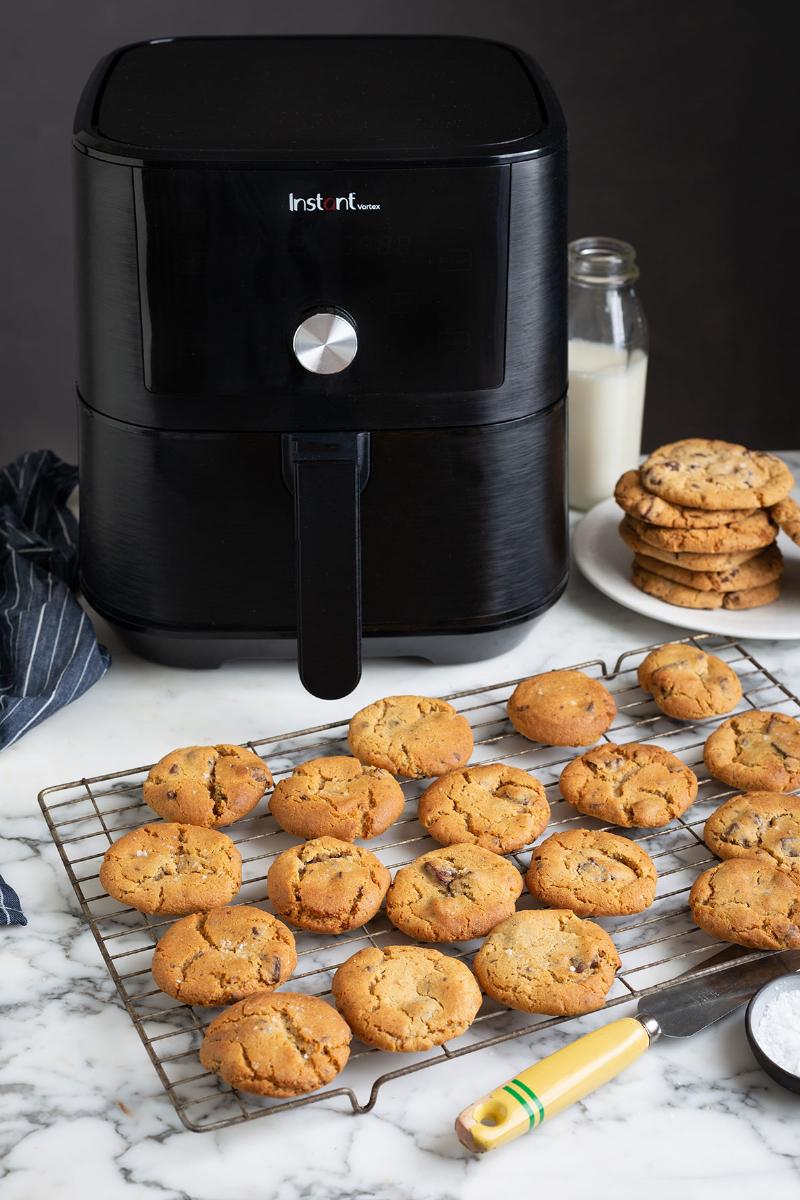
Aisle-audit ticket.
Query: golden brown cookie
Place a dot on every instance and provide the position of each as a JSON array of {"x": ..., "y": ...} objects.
[
  {"x": 223, "y": 955},
  {"x": 547, "y": 961},
  {"x": 497, "y": 806},
  {"x": 763, "y": 568},
  {"x": 715, "y": 563},
  {"x": 206, "y": 785},
  {"x": 172, "y": 868},
  {"x": 749, "y": 902},
  {"x": 638, "y": 784},
  {"x": 593, "y": 873},
  {"x": 413, "y": 736},
  {"x": 756, "y": 751},
  {"x": 634, "y": 498},
  {"x": 708, "y": 473},
  {"x": 687, "y": 597},
  {"x": 787, "y": 514},
  {"x": 453, "y": 894},
  {"x": 763, "y": 825},
  {"x": 749, "y": 533},
  {"x": 406, "y": 997},
  {"x": 689, "y": 684},
  {"x": 337, "y": 797},
  {"x": 277, "y": 1044},
  {"x": 327, "y": 885},
  {"x": 561, "y": 708}
]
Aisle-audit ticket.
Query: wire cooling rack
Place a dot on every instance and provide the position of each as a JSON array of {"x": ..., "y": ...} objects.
[{"x": 656, "y": 947}]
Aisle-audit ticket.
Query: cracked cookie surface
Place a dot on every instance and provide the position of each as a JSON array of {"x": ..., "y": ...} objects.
[
  {"x": 327, "y": 885},
  {"x": 561, "y": 708},
  {"x": 592, "y": 873},
  {"x": 787, "y": 514},
  {"x": 406, "y": 998},
  {"x": 749, "y": 902},
  {"x": 749, "y": 533},
  {"x": 497, "y": 806},
  {"x": 412, "y": 736},
  {"x": 763, "y": 825},
  {"x": 210, "y": 786},
  {"x": 708, "y": 473},
  {"x": 765, "y": 567},
  {"x": 686, "y": 560},
  {"x": 634, "y": 498},
  {"x": 636, "y": 785},
  {"x": 223, "y": 955},
  {"x": 453, "y": 894},
  {"x": 547, "y": 961},
  {"x": 337, "y": 797},
  {"x": 172, "y": 868},
  {"x": 689, "y": 597},
  {"x": 756, "y": 751},
  {"x": 688, "y": 683},
  {"x": 277, "y": 1044}
]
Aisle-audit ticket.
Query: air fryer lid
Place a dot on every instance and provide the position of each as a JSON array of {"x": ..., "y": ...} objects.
[{"x": 425, "y": 98}]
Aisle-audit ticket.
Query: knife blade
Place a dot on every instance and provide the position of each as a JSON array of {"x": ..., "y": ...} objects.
[{"x": 698, "y": 999}]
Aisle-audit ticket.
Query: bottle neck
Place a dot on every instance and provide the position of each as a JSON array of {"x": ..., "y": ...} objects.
[{"x": 602, "y": 262}]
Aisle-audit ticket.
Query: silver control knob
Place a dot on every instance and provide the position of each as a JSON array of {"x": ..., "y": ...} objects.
[{"x": 325, "y": 343}]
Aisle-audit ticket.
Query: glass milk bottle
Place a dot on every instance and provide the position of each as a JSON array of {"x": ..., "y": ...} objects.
[{"x": 607, "y": 367}]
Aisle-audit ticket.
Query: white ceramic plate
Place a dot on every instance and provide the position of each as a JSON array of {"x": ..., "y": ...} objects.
[{"x": 605, "y": 560}]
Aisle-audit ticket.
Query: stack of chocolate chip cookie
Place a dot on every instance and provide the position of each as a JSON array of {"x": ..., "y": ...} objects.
[{"x": 702, "y": 517}]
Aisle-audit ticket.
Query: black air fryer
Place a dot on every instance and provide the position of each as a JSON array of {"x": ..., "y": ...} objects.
[{"x": 322, "y": 366}]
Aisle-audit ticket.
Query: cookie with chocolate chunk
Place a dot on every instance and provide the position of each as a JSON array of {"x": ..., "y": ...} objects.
[
  {"x": 689, "y": 597},
  {"x": 561, "y": 708},
  {"x": 756, "y": 750},
  {"x": 708, "y": 473},
  {"x": 631, "y": 496},
  {"x": 749, "y": 533},
  {"x": 688, "y": 683},
  {"x": 593, "y": 873},
  {"x": 453, "y": 894},
  {"x": 210, "y": 786},
  {"x": 787, "y": 514},
  {"x": 763, "y": 825},
  {"x": 172, "y": 868},
  {"x": 638, "y": 784},
  {"x": 337, "y": 796},
  {"x": 494, "y": 805},
  {"x": 547, "y": 961},
  {"x": 748, "y": 902},
  {"x": 221, "y": 956},
  {"x": 687, "y": 560},
  {"x": 327, "y": 885},
  {"x": 412, "y": 736},
  {"x": 765, "y": 567}
]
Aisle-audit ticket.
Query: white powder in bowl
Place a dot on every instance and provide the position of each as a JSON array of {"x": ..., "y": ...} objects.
[{"x": 778, "y": 1031}]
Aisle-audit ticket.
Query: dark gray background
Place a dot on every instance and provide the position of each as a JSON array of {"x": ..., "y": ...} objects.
[{"x": 684, "y": 137}]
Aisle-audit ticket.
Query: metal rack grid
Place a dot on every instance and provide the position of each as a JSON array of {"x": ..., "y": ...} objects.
[{"x": 656, "y": 946}]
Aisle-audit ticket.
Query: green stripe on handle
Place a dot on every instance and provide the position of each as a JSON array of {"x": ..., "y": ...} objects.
[
  {"x": 539, "y": 1106},
  {"x": 521, "y": 1100}
]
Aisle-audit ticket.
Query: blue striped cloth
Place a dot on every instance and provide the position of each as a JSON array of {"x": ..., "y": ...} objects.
[
  {"x": 49, "y": 654},
  {"x": 10, "y": 911}
]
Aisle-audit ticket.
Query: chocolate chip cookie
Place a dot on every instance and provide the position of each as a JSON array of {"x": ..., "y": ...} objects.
[
  {"x": 707, "y": 473},
  {"x": 749, "y": 533},
  {"x": 638, "y": 784},
  {"x": 337, "y": 797},
  {"x": 787, "y": 514},
  {"x": 561, "y": 708},
  {"x": 631, "y": 496},
  {"x": 687, "y": 560},
  {"x": 406, "y": 997},
  {"x": 277, "y": 1044},
  {"x": 688, "y": 683},
  {"x": 592, "y": 873},
  {"x": 453, "y": 894},
  {"x": 412, "y": 736},
  {"x": 763, "y": 568},
  {"x": 223, "y": 955},
  {"x": 689, "y": 597},
  {"x": 172, "y": 868},
  {"x": 757, "y": 751},
  {"x": 763, "y": 825},
  {"x": 749, "y": 902},
  {"x": 327, "y": 885},
  {"x": 206, "y": 785},
  {"x": 497, "y": 806},
  {"x": 547, "y": 961}
]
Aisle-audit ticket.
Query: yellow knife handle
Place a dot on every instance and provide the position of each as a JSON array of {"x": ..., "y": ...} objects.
[{"x": 552, "y": 1084}]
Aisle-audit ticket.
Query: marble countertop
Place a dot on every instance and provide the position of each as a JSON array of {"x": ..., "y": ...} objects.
[{"x": 83, "y": 1113}]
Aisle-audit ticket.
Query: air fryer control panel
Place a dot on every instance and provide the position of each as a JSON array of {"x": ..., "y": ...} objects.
[{"x": 406, "y": 268}]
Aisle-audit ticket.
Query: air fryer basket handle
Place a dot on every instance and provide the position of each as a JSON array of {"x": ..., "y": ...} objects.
[{"x": 326, "y": 473}]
